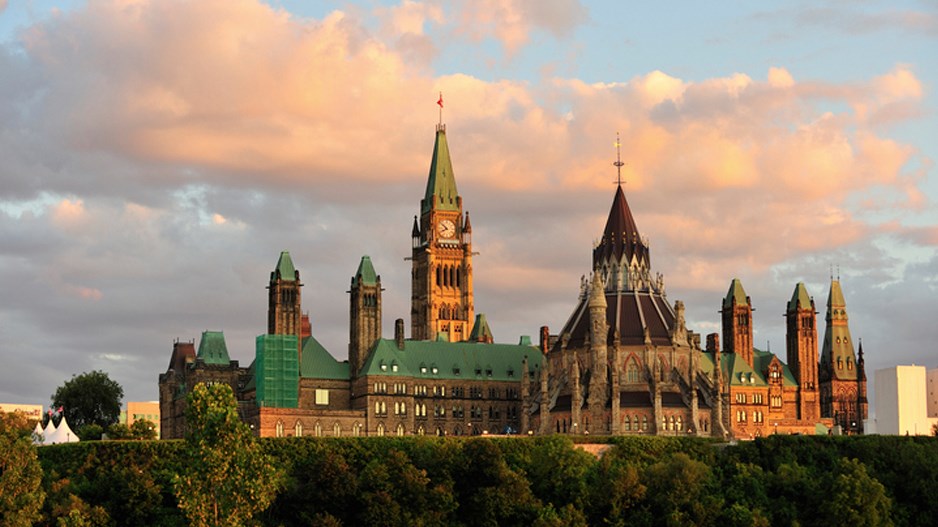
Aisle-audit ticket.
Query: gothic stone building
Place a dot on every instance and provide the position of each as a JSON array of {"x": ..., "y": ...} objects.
[
  {"x": 450, "y": 378},
  {"x": 623, "y": 363}
]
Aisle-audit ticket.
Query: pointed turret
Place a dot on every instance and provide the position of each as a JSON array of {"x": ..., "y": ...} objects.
[
  {"x": 441, "y": 183},
  {"x": 481, "y": 331},
  {"x": 621, "y": 241},
  {"x": 837, "y": 354},
  {"x": 842, "y": 374},
  {"x": 737, "y": 322},
  {"x": 364, "y": 314},
  {"x": 467, "y": 228},
  {"x": 284, "y": 270},
  {"x": 284, "y": 315},
  {"x": 801, "y": 344}
]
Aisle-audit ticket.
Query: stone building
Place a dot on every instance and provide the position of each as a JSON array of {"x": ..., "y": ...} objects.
[
  {"x": 623, "y": 363},
  {"x": 450, "y": 378}
]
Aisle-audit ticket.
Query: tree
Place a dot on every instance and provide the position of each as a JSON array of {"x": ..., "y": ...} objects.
[
  {"x": 89, "y": 398},
  {"x": 119, "y": 431},
  {"x": 21, "y": 494},
  {"x": 143, "y": 429},
  {"x": 227, "y": 479},
  {"x": 855, "y": 498}
]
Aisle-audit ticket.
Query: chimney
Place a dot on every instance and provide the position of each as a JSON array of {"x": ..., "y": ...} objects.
[
  {"x": 545, "y": 339},
  {"x": 399, "y": 333},
  {"x": 713, "y": 342}
]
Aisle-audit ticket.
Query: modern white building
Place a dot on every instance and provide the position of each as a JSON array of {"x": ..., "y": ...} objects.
[{"x": 901, "y": 406}]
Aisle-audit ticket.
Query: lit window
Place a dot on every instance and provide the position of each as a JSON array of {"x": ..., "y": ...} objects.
[{"x": 322, "y": 397}]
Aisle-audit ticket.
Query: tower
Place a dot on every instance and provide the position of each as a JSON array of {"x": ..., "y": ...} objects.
[
  {"x": 842, "y": 377},
  {"x": 599, "y": 335},
  {"x": 441, "y": 290},
  {"x": 737, "y": 321},
  {"x": 801, "y": 345},
  {"x": 364, "y": 314},
  {"x": 284, "y": 314}
]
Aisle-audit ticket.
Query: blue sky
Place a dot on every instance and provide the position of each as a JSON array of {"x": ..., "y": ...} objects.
[{"x": 159, "y": 155}]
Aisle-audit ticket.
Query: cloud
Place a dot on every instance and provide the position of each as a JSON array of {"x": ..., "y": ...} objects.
[
  {"x": 151, "y": 201},
  {"x": 511, "y": 22}
]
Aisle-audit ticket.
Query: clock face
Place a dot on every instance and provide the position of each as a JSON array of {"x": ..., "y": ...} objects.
[{"x": 446, "y": 229}]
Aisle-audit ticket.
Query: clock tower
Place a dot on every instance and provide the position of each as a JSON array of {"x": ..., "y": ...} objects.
[{"x": 441, "y": 290}]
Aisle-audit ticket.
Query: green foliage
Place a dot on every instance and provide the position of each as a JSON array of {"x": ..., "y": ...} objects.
[
  {"x": 118, "y": 431},
  {"x": 143, "y": 429},
  {"x": 89, "y": 398},
  {"x": 90, "y": 432},
  {"x": 21, "y": 493},
  {"x": 784, "y": 480},
  {"x": 226, "y": 478}
]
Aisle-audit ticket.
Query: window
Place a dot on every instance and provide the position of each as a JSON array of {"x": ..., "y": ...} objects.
[
  {"x": 757, "y": 398},
  {"x": 278, "y": 430},
  {"x": 632, "y": 372},
  {"x": 628, "y": 424},
  {"x": 336, "y": 430},
  {"x": 381, "y": 387},
  {"x": 400, "y": 429},
  {"x": 356, "y": 429},
  {"x": 383, "y": 366},
  {"x": 439, "y": 411},
  {"x": 393, "y": 366},
  {"x": 776, "y": 401},
  {"x": 741, "y": 398},
  {"x": 420, "y": 390},
  {"x": 679, "y": 424},
  {"x": 400, "y": 388},
  {"x": 381, "y": 408},
  {"x": 380, "y": 429},
  {"x": 322, "y": 397},
  {"x": 644, "y": 423},
  {"x": 298, "y": 429},
  {"x": 741, "y": 416},
  {"x": 318, "y": 430}
]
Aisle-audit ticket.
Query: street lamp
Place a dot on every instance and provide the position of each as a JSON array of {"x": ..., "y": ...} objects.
[{"x": 776, "y": 428}]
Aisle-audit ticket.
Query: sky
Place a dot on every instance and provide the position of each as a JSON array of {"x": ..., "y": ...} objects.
[{"x": 157, "y": 155}]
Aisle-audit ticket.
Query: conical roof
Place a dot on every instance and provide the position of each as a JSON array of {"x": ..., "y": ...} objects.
[
  {"x": 481, "y": 331},
  {"x": 799, "y": 298},
  {"x": 737, "y": 293},
  {"x": 441, "y": 182},
  {"x": 62, "y": 434},
  {"x": 620, "y": 236},
  {"x": 365, "y": 273},
  {"x": 284, "y": 268},
  {"x": 837, "y": 350}
]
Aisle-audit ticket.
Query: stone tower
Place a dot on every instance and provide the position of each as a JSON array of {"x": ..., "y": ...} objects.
[
  {"x": 441, "y": 298},
  {"x": 842, "y": 376},
  {"x": 801, "y": 345},
  {"x": 737, "y": 321},
  {"x": 598, "y": 355},
  {"x": 284, "y": 313},
  {"x": 364, "y": 314}
]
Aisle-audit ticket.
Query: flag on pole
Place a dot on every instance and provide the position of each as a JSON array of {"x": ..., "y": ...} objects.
[
  {"x": 60, "y": 409},
  {"x": 440, "y": 101}
]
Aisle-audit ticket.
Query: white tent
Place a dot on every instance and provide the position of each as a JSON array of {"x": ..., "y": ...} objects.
[
  {"x": 62, "y": 434},
  {"x": 37, "y": 433}
]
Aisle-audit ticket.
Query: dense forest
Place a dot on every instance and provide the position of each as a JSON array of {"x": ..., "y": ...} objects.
[{"x": 778, "y": 480}]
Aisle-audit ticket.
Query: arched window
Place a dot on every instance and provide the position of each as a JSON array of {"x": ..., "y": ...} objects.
[
  {"x": 438, "y": 277},
  {"x": 400, "y": 429},
  {"x": 628, "y": 423},
  {"x": 421, "y": 431},
  {"x": 380, "y": 429},
  {"x": 318, "y": 430},
  {"x": 336, "y": 430},
  {"x": 298, "y": 429},
  {"x": 632, "y": 372},
  {"x": 679, "y": 423},
  {"x": 278, "y": 430},
  {"x": 357, "y": 429},
  {"x": 644, "y": 423}
]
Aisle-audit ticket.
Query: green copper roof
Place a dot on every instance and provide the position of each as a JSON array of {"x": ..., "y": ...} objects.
[
  {"x": 736, "y": 293},
  {"x": 738, "y": 372},
  {"x": 441, "y": 183},
  {"x": 480, "y": 330},
  {"x": 317, "y": 363},
  {"x": 800, "y": 298},
  {"x": 285, "y": 268},
  {"x": 837, "y": 350},
  {"x": 366, "y": 271},
  {"x": 212, "y": 348},
  {"x": 450, "y": 360}
]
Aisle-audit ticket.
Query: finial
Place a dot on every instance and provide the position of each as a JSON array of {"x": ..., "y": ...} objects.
[
  {"x": 618, "y": 164},
  {"x": 440, "y": 102},
  {"x": 838, "y": 272},
  {"x": 832, "y": 272}
]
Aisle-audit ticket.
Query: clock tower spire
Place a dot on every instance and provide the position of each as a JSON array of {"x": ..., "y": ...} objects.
[{"x": 441, "y": 290}]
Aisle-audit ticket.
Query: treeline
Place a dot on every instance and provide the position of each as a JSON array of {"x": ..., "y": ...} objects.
[{"x": 779, "y": 480}]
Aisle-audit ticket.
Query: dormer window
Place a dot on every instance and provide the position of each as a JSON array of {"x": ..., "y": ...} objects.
[
  {"x": 383, "y": 366},
  {"x": 394, "y": 366}
]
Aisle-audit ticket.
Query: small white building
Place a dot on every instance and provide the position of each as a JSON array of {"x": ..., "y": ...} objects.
[{"x": 901, "y": 406}]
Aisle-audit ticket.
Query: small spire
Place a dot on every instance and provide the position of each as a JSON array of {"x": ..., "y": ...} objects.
[
  {"x": 440, "y": 103},
  {"x": 415, "y": 233},
  {"x": 468, "y": 226},
  {"x": 618, "y": 164}
]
